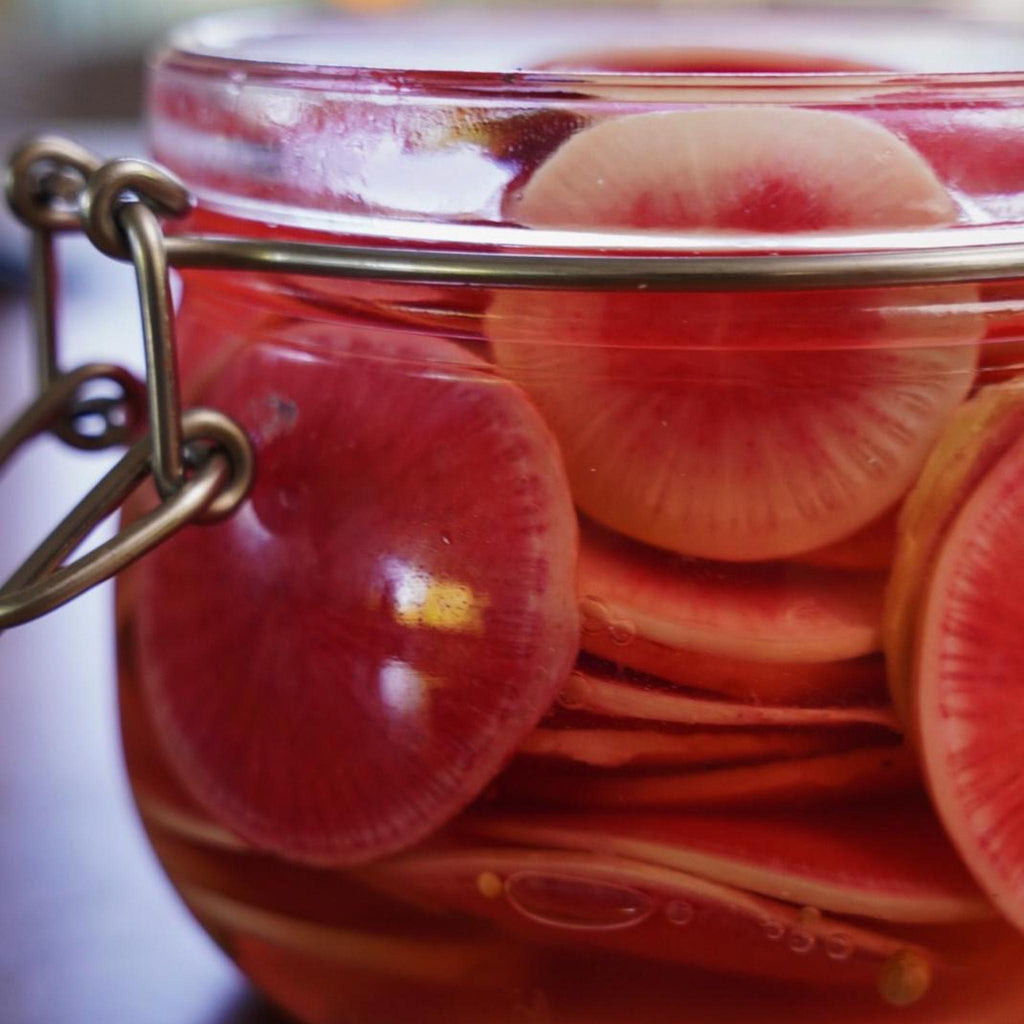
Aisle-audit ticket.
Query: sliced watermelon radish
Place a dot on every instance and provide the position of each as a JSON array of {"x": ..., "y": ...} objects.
[
  {"x": 392, "y": 955},
  {"x": 620, "y": 748},
  {"x": 966, "y": 687},
  {"x": 606, "y": 694},
  {"x": 855, "y": 681},
  {"x": 642, "y": 910},
  {"x": 345, "y": 663},
  {"x": 891, "y": 861},
  {"x": 976, "y": 437},
  {"x": 770, "y": 633},
  {"x": 868, "y": 772},
  {"x": 739, "y": 427},
  {"x": 777, "y": 613}
]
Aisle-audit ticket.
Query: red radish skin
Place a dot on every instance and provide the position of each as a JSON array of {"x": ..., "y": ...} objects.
[
  {"x": 890, "y": 862},
  {"x": 689, "y": 421},
  {"x": 967, "y": 682},
  {"x": 360, "y": 594}
]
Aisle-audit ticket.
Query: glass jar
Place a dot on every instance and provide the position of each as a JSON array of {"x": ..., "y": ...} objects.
[{"x": 605, "y": 648}]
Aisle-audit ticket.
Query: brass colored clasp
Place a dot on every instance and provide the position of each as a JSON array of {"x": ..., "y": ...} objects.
[{"x": 200, "y": 461}]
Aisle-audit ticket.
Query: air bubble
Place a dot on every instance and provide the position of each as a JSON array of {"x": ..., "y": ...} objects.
[
  {"x": 774, "y": 931},
  {"x": 489, "y": 885},
  {"x": 679, "y": 912},
  {"x": 564, "y": 901},
  {"x": 800, "y": 941},
  {"x": 838, "y": 946},
  {"x": 809, "y": 916},
  {"x": 622, "y": 632},
  {"x": 594, "y": 615},
  {"x": 904, "y": 978}
]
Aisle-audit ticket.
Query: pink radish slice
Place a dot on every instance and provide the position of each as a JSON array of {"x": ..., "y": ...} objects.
[
  {"x": 870, "y": 772},
  {"x": 341, "y": 666},
  {"x": 739, "y": 427},
  {"x": 854, "y": 681},
  {"x": 640, "y": 910},
  {"x": 891, "y": 862},
  {"x": 607, "y": 695},
  {"x": 967, "y": 696},
  {"x": 978, "y": 435},
  {"x": 764, "y": 613},
  {"x": 619, "y": 748}
]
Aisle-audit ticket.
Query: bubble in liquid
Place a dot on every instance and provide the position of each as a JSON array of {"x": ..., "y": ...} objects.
[
  {"x": 774, "y": 931},
  {"x": 809, "y": 916},
  {"x": 800, "y": 941},
  {"x": 594, "y": 615},
  {"x": 622, "y": 632},
  {"x": 904, "y": 978},
  {"x": 838, "y": 946},
  {"x": 565, "y": 901},
  {"x": 489, "y": 885},
  {"x": 679, "y": 912},
  {"x": 565, "y": 697}
]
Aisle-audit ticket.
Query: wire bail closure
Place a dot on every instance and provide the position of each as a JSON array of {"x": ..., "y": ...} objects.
[{"x": 201, "y": 462}]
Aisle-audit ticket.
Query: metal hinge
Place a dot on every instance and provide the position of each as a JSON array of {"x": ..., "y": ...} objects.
[{"x": 200, "y": 461}]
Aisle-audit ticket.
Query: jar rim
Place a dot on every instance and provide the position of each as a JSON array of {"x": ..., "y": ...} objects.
[
  {"x": 307, "y": 47},
  {"x": 370, "y": 149}
]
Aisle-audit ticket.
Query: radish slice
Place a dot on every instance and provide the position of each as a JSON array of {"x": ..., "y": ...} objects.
[
  {"x": 608, "y": 695},
  {"x": 851, "y": 775},
  {"x": 891, "y": 862},
  {"x": 619, "y": 748},
  {"x": 978, "y": 435},
  {"x": 339, "y": 668},
  {"x": 739, "y": 427},
  {"x": 643, "y": 910},
  {"x": 968, "y": 687}
]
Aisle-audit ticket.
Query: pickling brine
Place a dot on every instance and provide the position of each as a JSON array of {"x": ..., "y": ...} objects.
[{"x": 596, "y": 655}]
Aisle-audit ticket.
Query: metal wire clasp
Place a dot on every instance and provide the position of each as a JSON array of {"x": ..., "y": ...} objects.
[{"x": 200, "y": 461}]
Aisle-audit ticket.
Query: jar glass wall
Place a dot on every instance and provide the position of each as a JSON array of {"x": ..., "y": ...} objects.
[{"x": 628, "y": 654}]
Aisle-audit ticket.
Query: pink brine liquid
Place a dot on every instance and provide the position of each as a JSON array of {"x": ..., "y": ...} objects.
[{"x": 606, "y": 656}]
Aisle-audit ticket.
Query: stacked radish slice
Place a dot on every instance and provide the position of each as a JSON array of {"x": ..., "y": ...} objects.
[{"x": 724, "y": 752}]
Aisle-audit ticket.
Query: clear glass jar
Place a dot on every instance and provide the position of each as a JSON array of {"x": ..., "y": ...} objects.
[{"x": 593, "y": 655}]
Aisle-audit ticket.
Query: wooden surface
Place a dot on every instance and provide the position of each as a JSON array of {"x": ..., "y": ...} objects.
[{"x": 90, "y": 931}]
